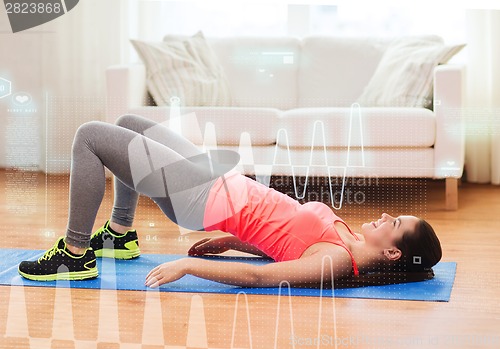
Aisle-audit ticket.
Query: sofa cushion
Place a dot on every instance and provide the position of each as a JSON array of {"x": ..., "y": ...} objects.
[
  {"x": 228, "y": 123},
  {"x": 381, "y": 127},
  {"x": 333, "y": 71},
  {"x": 184, "y": 67},
  {"x": 404, "y": 75},
  {"x": 261, "y": 72}
]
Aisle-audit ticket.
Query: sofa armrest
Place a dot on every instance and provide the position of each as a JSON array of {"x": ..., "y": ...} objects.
[
  {"x": 126, "y": 89},
  {"x": 449, "y": 147}
]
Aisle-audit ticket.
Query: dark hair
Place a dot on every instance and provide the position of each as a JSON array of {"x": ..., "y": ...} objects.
[{"x": 421, "y": 249}]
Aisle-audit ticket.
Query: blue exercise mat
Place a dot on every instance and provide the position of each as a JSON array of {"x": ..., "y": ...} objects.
[{"x": 131, "y": 274}]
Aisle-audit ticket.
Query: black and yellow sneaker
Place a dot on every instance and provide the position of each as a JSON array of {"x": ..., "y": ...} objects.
[
  {"x": 108, "y": 243},
  {"x": 60, "y": 264}
]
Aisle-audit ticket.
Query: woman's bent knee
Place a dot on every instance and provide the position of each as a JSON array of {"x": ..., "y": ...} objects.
[
  {"x": 126, "y": 120},
  {"x": 90, "y": 128},
  {"x": 87, "y": 132}
]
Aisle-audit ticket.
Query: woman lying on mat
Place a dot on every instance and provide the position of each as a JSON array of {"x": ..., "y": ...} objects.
[{"x": 202, "y": 192}]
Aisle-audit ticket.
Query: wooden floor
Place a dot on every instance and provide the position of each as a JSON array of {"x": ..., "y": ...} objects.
[{"x": 33, "y": 211}]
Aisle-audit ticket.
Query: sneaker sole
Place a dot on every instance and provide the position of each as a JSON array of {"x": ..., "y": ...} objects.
[
  {"x": 117, "y": 254},
  {"x": 75, "y": 275}
]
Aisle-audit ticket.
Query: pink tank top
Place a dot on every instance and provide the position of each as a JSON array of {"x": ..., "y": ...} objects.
[{"x": 275, "y": 223}]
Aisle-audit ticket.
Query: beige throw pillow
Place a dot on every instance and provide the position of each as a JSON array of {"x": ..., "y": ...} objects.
[
  {"x": 184, "y": 67},
  {"x": 404, "y": 76}
]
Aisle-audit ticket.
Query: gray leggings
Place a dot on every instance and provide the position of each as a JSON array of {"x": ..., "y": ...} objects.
[{"x": 146, "y": 158}]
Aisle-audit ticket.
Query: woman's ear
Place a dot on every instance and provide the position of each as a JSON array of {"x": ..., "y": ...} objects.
[{"x": 392, "y": 254}]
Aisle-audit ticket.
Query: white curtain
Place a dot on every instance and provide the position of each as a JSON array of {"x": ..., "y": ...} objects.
[
  {"x": 483, "y": 96},
  {"x": 76, "y": 50}
]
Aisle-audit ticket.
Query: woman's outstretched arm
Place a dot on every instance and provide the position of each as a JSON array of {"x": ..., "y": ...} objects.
[{"x": 306, "y": 270}]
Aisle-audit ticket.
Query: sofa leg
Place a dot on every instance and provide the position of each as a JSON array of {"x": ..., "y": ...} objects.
[{"x": 451, "y": 194}]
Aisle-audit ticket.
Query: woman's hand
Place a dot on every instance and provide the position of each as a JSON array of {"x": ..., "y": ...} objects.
[
  {"x": 210, "y": 246},
  {"x": 166, "y": 272}
]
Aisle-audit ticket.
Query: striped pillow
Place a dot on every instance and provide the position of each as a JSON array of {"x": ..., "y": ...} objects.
[
  {"x": 184, "y": 67},
  {"x": 404, "y": 76}
]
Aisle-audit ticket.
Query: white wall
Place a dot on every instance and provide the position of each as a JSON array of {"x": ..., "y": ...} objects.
[
  {"x": 61, "y": 64},
  {"x": 19, "y": 63}
]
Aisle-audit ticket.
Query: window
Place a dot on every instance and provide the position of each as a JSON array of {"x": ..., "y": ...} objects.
[
  {"x": 152, "y": 19},
  {"x": 373, "y": 19},
  {"x": 215, "y": 18}
]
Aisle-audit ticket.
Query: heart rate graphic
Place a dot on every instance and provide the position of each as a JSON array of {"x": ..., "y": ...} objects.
[
  {"x": 26, "y": 14},
  {"x": 21, "y": 99}
]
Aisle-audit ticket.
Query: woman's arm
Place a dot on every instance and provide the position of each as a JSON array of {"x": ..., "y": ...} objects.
[
  {"x": 307, "y": 270},
  {"x": 223, "y": 244}
]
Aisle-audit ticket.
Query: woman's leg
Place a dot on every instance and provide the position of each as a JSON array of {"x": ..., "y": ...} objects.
[
  {"x": 126, "y": 198},
  {"x": 179, "y": 186}
]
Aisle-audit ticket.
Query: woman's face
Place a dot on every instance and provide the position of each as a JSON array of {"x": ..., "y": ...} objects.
[{"x": 387, "y": 230}]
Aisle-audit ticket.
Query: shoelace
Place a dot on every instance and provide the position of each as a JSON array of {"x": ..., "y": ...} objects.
[
  {"x": 99, "y": 231},
  {"x": 49, "y": 253}
]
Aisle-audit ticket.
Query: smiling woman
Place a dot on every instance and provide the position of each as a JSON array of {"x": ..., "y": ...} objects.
[
  {"x": 415, "y": 246},
  {"x": 199, "y": 191}
]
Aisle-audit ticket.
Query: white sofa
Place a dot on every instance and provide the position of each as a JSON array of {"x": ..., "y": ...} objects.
[{"x": 292, "y": 109}]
